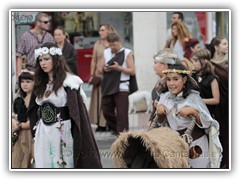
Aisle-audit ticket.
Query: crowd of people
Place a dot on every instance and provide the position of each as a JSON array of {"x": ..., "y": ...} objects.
[{"x": 51, "y": 126}]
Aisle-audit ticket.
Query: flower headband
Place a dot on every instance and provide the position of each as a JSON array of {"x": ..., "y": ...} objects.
[
  {"x": 53, "y": 51},
  {"x": 176, "y": 71}
]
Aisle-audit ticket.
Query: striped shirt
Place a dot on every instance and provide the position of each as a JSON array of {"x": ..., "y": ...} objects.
[{"x": 29, "y": 42}]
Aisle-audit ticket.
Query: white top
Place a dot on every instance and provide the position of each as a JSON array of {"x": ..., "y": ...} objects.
[
  {"x": 178, "y": 50},
  {"x": 108, "y": 55},
  {"x": 177, "y": 122}
]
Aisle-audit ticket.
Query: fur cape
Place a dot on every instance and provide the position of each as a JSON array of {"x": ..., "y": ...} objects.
[
  {"x": 86, "y": 154},
  {"x": 166, "y": 147}
]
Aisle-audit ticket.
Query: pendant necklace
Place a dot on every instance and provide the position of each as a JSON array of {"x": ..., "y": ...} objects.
[{"x": 49, "y": 89}]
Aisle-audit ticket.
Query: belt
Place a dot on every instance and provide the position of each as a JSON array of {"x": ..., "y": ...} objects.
[
  {"x": 196, "y": 133},
  {"x": 49, "y": 113}
]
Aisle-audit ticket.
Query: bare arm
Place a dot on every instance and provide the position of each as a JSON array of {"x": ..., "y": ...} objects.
[
  {"x": 216, "y": 94},
  {"x": 101, "y": 65},
  {"x": 19, "y": 65},
  {"x": 93, "y": 63}
]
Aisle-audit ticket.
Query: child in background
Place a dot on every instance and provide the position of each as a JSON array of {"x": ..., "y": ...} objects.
[
  {"x": 21, "y": 134},
  {"x": 207, "y": 81}
]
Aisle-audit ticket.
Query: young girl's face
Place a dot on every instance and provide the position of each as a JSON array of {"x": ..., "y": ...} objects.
[
  {"x": 196, "y": 63},
  {"x": 46, "y": 63},
  {"x": 27, "y": 85},
  {"x": 175, "y": 83},
  {"x": 222, "y": 47}
]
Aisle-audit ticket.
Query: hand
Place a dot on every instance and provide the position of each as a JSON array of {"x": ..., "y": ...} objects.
[
  {"x": 90, "y": 79},
  {"x": 155, "y": 103},
  {"x": 162, "y": 110},
  {"x": 115, "y": 66},
  {"x": 185, "y": 111},
  {"x": 149, "y": 123},
  {"x": 14, "y": 125},
  {"x": 106, "y": 69}
]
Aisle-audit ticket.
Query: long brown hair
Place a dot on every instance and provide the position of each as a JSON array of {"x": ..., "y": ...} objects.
[
  {"x": 59, "y": 73},
  {"x": 182, "y": 33},
  {"x": 204, "y": 57}
]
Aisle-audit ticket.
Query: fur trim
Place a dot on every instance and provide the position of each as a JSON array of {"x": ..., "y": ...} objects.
[
  {"x": 72, "y": 81},
  {"x": 168, "y": 149},
  {"x": 75, "y": 82}
]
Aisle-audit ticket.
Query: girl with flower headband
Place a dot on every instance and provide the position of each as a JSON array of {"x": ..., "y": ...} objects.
[
  {"x": 58, "y": 116},
  {"x": 21, "y": 134},
  {"x": 179, "y": 105}
]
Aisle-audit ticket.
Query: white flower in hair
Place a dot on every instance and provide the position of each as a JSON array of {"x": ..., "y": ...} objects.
[
  {"x": 52, "y": 51},
  {"x": 58, "y": 51},
  {"x": 37, "y": 52},
  {"x": 45, "y": 50}
]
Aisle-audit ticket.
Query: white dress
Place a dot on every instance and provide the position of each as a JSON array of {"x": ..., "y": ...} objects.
[
  {"x": 177, "y": 122},
  {"x": 49, "y": 151}
]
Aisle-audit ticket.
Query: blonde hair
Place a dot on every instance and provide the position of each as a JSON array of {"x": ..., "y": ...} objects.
[
  {"x": 109, "y": 28},
  {"x": 182, "y": 33}
]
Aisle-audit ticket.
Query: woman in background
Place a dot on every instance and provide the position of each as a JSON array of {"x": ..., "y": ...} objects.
[
  {"x": 67, "y": 48},
  {"x": 95, "y": 111},
  {"x": 180, "y": 35}
]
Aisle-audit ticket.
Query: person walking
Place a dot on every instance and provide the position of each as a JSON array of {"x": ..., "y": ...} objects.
[
  {"x": 32, "y": 39},
  {"x": 95, "y": 110},
  {"x": 176, "y": 17},
  {"x": 180, "y": 35},
  {"x": 67, "y": 48},
  {"x": 117, "y": 65},
  {"x": 219, "y": 59},
  {"x": 63, "y": 135},
  {"x": 181, "y": 105}
]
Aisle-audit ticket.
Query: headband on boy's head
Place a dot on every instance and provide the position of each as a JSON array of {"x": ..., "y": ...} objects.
[
  {"x": 44, "y": 50},
  {"x": 176, "y": 71}
]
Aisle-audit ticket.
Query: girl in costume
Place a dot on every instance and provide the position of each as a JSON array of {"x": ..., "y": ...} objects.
[
  {"x": 182, "y": 105},
  {"x": 21, "y": 134},
  {"x": 63, "y": 135}
]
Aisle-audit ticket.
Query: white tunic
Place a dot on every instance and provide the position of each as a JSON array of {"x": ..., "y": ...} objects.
[
  {"x": 177, "y": 122},
  {"x": 48, "y": 149},
  {"x": 108, "y": 55}
]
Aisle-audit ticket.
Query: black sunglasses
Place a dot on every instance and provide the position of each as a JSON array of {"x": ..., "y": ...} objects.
[{"x": 45, "y": 22}]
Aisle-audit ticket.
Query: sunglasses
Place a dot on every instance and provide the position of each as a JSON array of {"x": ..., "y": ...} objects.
[{"x": 45, "y": 22}]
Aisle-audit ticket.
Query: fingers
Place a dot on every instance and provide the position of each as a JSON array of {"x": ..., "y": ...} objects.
[{"x": 162, "y": 110}]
